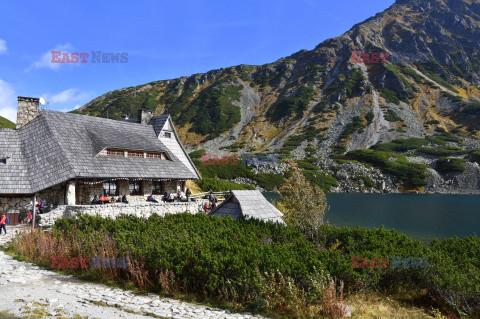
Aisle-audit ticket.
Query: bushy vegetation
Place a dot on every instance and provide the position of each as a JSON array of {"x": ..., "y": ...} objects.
[
  {"x": 213, "y": 111},
  {"x": 392, "y": 116},
  {"x": 196, "y": 154},
  {"x": 292, "y": 143},
  {"x": 475, "y": 157},
  {"x": 4, "y": 123},
  {"x": 450, "y": 165},
  {"x": 268, "y": 181},
  {"x": 412, "y": 175},
  {"x": 291, "y": 105},
  {"x": 323, "y": 180},
  {"x": 441, "y": 151},
  {"x": 262, "y": 266},
  {"x": 224, "y": 171},
  {"x": 304, "y": 204},
  {"x": 218, "y": 185},
  {"x": 354, "y": 83},
  {"x": 369, "y": 117},
  {"x": 401, "y": 145},
  {"x": 390, "y": 96},
  {"x": 356, "y": 125}
]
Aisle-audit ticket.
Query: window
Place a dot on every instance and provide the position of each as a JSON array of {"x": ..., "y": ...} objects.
[
  {"x": 135, "y": 188},
  {"x": 157, "y": 188},
  {"x": 110, "y": 188},
  {"x": 135, "y": 154},
  {"x": 168, "y": 134},
  {"x": 154, "y": 155},
  {"x": 115, "y": 153}
]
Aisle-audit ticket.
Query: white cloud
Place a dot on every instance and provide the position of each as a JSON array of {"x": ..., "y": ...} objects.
[
  {"x": 8, "y": 101},
  {"x": 3, "y": 46},
  {"x": 67, "y": 96},
  {"x": 45, "y": 62}
]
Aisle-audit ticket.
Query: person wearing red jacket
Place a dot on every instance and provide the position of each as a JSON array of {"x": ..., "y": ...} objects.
[{"x": 3, "y": 221}]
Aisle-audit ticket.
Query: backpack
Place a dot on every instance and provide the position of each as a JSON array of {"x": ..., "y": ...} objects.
[{"x": 7, "y": 220}]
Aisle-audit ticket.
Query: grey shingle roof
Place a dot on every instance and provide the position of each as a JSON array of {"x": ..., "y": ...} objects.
[
  {"x": 251, "y": 204},
  {"x": 57, "y": 146}
]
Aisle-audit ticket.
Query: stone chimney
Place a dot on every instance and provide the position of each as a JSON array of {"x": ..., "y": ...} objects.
[
  {"x": 27, "y": 110},
  {"x": 144, "y": 116}
]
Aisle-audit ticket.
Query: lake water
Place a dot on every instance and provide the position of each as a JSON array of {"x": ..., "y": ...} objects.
[{"x": 422, "y": 217}]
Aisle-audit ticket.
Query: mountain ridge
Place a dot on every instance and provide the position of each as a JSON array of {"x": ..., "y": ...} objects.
[{"x": 318, "y": 93}]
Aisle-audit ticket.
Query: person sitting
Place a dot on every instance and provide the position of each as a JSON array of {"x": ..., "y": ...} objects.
[
  {"x": 167, "y": 197},
  {"x": 206, "y": 207},
  {"x": 152, "y": 199},
  {"x": 104, "y": 199},
  {"x": 124, "y": 199},
  {"x": 95, "y": 200}
]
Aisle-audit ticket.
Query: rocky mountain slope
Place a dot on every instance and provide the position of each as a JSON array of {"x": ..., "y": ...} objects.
[{"x": 412, "y": 71}]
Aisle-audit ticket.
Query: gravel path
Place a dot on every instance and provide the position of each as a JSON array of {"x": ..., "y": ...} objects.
[{"x": 30, "y": 291}]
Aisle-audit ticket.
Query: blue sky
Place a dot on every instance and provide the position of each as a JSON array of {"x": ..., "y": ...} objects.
[{"x": 163, "y": 39}]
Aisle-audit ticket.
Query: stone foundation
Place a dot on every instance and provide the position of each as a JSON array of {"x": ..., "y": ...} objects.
[
  {"x": 54, "y": 196},
  {"x": 82, "y": 193},
  {"x": 113, "y": 210}
]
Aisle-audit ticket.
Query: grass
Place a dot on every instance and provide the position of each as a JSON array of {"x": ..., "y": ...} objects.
[{"x": 4, "y": 123}]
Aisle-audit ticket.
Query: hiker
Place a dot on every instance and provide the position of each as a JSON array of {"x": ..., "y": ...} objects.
[
  {"x": 29, "y": 217},
  {"x": 40, "y": 206},
  {"x": 152, "y": 199},
  {"x": 188, "y": 193},
  {"x": 179, "y": 195},
  {"x": 214, "y": 205},
  {"x": 206, "y": 207},
  {"x": 3, "y": 221},
  {"x": 95, "y": 200}
]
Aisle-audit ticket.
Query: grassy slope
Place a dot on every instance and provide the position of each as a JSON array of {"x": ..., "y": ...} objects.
[{"x": 4, "y": 123}]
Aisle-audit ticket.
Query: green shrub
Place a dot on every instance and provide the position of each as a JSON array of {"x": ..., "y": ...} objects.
[
  {"x": 196, "y": 154},
  {"x": 217, "y": 185},
  {"x": 401, "y": 145},
  {"x": 224, "y": 171},
  {"x": 475, "y": 157},
  {"x": 390, "y": 96},
  {"x": 293, "y": 104},
  {"x": 450, "y": 165},
  {"x": 441, "y": 150},
  {"x": 366, "y": 180},
  {"x": 268, "y": 181},
  {"x": 321, "y": 179},
  {"x": 219, "y": 259},
  {"x": 356, "y": 124},
  {"x": 303, "y": 164},
  {"x": 412, "y": 175},
  {"x": 369, "y": 117},
  {"x": 392, "y": 116}
]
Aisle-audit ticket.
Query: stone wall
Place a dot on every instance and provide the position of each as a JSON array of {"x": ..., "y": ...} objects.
[
  {"x": 114, "y": 210},
  {"x": 54, "y": 197}
]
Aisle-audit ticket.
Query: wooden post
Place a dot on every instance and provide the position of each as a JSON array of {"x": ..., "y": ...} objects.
[{"x": 34, "y": 210}]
